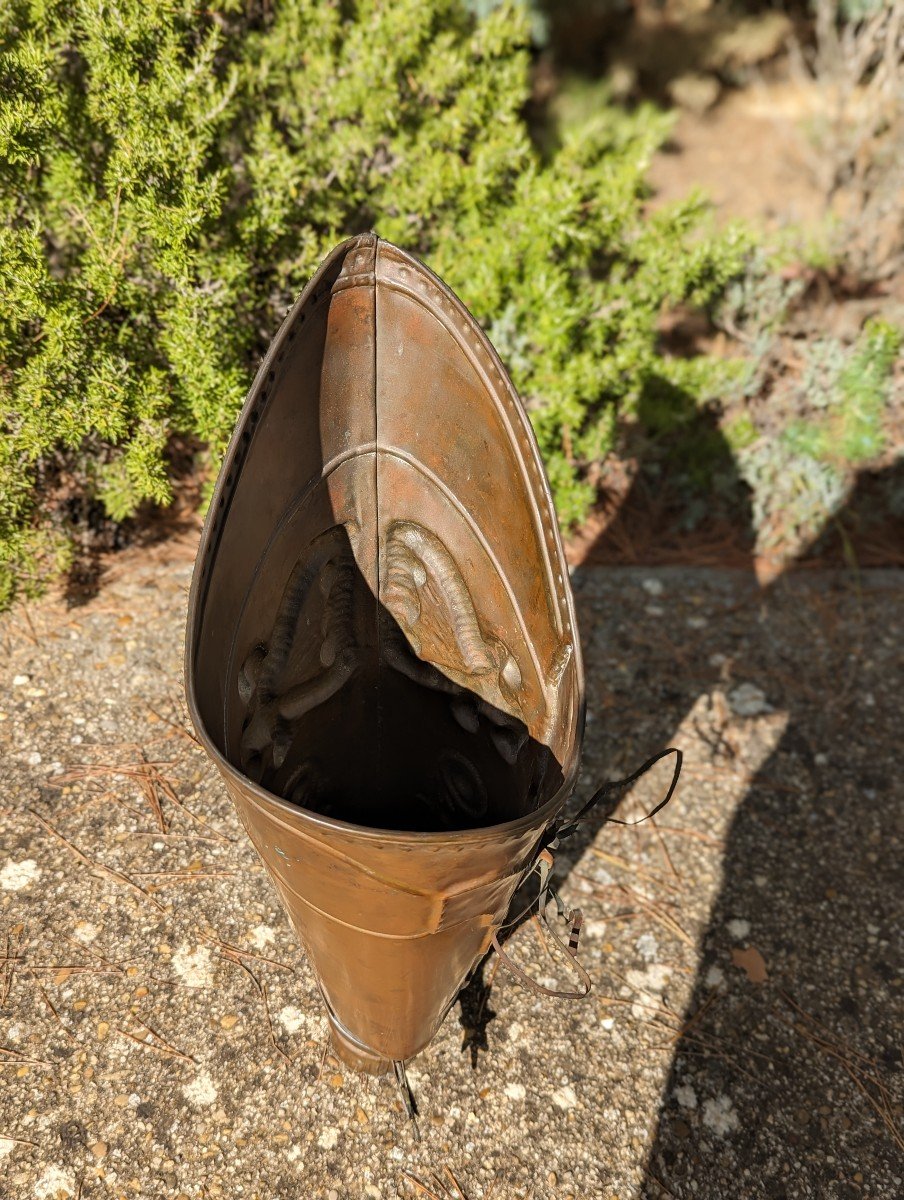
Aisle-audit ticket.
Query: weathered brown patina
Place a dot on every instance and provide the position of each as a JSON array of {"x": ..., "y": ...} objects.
[{"x": 381, "y": 655}]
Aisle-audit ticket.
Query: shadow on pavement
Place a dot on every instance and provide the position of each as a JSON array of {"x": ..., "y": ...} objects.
[
  {"x": 787, "y": 1087},
  {"x": 786, "y": 1079}
]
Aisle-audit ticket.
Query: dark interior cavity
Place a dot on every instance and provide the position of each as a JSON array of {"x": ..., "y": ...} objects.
[{"x": 342, "y": 718}]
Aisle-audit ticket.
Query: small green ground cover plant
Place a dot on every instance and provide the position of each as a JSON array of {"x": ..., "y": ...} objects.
[
  {"x": 808, "y": 411},
  {"x": 172, "y": 173}
]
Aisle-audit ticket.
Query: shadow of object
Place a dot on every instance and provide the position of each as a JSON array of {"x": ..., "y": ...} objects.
[
  {"x": 676, "y": 448},
  {"x": 788, "y": 1069},
  {"x": 869, "y": 530},
  {"x": 676, "y": 495},
  {"x": 475, "y": 1013}
]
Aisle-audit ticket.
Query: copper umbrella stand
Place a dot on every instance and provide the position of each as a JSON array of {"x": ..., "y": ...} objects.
[{"x": 381, "y": 653}]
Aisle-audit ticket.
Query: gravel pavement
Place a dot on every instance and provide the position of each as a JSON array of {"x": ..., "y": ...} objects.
[{"x": 160, "y": 1030}]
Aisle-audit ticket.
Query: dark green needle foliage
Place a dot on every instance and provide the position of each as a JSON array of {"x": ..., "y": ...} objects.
[{"x": 172, "y": 172}]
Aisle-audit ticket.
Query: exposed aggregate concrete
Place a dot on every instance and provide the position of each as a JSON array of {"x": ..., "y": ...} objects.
[{"x": 162, "y": 1034}]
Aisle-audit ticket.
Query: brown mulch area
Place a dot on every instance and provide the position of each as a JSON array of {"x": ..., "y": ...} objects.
[{"x": 632, "y": 526}]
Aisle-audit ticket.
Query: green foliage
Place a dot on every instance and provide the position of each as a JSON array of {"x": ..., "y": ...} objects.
[
  {"x": 740, "y": 432},
  {"x": 109, "y": 271},
  {"x": 792, "y": 493},
  {"x": 799, "y": 478},
  {"x": 849, "y": 429},
  {"x": 864, "y": 387},
  {"x": 171, "y": 175},
  {"x": 536, "y": 10},
  {"x": 858, "y": 10}
]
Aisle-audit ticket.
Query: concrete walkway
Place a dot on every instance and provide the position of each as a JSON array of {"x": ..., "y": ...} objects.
[{"x": 161, "y": 1032}]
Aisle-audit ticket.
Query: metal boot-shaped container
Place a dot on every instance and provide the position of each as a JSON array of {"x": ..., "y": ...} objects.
[{"x": 381, "y": 653}]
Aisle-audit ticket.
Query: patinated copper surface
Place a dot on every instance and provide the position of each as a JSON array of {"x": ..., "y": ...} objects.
[{"x": 381, "y": 653}]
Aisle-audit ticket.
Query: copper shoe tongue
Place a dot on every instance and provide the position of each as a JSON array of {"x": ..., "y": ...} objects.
[{"x": 381, "y": 654}]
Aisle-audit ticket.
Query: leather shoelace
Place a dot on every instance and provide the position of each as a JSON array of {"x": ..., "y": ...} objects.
[{"x": 605, "y": 799}]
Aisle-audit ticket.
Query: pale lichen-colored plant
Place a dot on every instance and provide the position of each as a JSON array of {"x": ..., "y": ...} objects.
[{"x": 858, "y": 65}]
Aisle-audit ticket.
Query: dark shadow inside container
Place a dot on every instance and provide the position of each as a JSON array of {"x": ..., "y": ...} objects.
[{"x": 342, "y": 718}]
